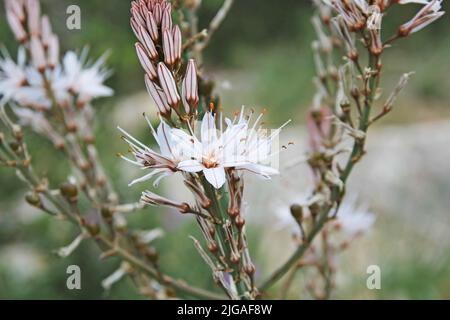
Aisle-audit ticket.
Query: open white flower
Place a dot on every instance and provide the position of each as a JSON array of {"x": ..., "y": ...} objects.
[
  {"x": 213, "y": 156},
  {"x": 354, "y": 219},
  {"x": 84, "y": 79},
  {"x": 172, "y": 144},
  {"x": 238, "y": 147},
  {"x": 12, "y": 74}
]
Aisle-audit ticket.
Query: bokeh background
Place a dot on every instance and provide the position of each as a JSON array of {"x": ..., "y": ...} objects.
[{"x": 260, "y": 58}]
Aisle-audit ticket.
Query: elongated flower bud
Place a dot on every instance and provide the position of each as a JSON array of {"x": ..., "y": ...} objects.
[
  {"x": 166, "y": 23},
  {"x": 145, "y": 61},
  {"x": 168, "y": 48},
  {"x": 138, "y": 17},
  {"x": 148, "y": 42},
  {"x": 190, "y": 87},
  {"x": 158, "y": 13},
  {"x": 16, "y": 8},
  {"x": 53, "y": 51},
  {"x": 46, "y": 30},
  {"x": 37, "y": 53},
  {"x": 34, "y": 17},
  {"x": 16, "y": 26},
  {"x": 177, "y": 43},
  {"x": 158, "y": 96},
  {"x": 135, "y": 28},
  {"x": 153, "y": 199},
  {"x": 152, "y": 26},
  {"x": 168, "y": 85}
]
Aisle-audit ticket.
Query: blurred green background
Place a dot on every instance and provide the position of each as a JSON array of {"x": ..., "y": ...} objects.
[{"x": 261, "y": 58}]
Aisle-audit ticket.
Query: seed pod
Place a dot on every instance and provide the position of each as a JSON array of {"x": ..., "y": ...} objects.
[
  {"x": 33, "y": 199},
  {"x": 91, "y": 222},
  {"x": 297, "y": 212},
  {"x": 69, "y": 191}
]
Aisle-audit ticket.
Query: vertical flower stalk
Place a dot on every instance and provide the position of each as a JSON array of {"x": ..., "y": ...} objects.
[{"x": 346, "y": 100}]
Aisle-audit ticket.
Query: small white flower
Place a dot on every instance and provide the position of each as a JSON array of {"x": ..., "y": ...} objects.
[
  {"x": 12, "y": 74},
  {"x": 172, "y": 144},
  {"x": 354, "y": 219},
  {"x": 213, "y": 157},
  {"x": 84, "y": 80},
  {"x": 237, "y": 147}
]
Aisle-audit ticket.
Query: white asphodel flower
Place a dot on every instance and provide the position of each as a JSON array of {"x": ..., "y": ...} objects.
[
  {"x": 85, "y": 80},
  {"x": 238, "y": 147},
  {"x": 12, "y": 75},
  {"x": 211, "y": 155},
  {"x": 354, "y": 219},
  {"x": 172, "y": 144}
]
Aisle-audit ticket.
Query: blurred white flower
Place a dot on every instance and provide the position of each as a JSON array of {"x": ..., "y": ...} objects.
[
  {"x": 28, "y": 87},
  {"x": 12, "y": 74},
  {"x": 354, "y": 219},
  {"x": 172, "y": 144},
  {"x": 84, "y": 79}
]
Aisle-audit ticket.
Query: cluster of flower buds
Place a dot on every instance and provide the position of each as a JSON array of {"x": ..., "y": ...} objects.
[
  {"x": 38, "y": 71},
  {"x": 32, "y": 29},
  {"x": 159, "y": 51}
]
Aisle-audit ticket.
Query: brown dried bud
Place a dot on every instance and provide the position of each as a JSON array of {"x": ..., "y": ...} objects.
[
  {"x": 151, "y": 254},
  {"x": 14, "y": 146},
  {"x": 91, "y": 223},
  {"x": 297, "y": 212},
  {"x": 33, "y": 199},
  {"x": 212, "y": 232},
  {"x": 353, "y": 55},
  {"x": 355, "y": 93},
  {"x": 107, "y": 213},
  {"x": 250, "y": 269},
  {"x": 240, "y": 222},
  {"x": 69, "y": 191},
  {"x": 212, "y": 247},
  {"x": 235, "y": 258}
]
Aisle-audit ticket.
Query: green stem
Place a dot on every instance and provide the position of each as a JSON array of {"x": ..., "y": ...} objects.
[{"x": 337, "y": 195}]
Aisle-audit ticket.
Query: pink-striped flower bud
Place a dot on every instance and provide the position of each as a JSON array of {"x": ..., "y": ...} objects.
[
  {"x": 148, "y": 42},
  {"x": 177, "y": 43},
  {"x": 34, "y": 17},
  {"x": 136, "y": 14},
  {"x": 145, "y": 61},
  {"x": 166, "y": 23},
  {"x": 16, "y": 7},
  {"x": 158, "y": 13},
  {"x": 135, "y": 28},
  {"x": 37, "y": 53},
  {"x": 168, "y": 48},
  {"x": 53, "y": 51},
  {"x": 152, "y": 26},
  {"x": 168, "y": 85},
  {"x": 158, "y": 96},
  {"x": 190, "y": 87},
  {"x": 16, "y": 26},
  {"x": 46, "y": 31}
]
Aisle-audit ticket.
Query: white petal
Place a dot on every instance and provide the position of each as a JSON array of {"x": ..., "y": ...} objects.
[
  {"x": 208, "y": 130},
  {"x": 190, "y": 166},
  {"x": 215, "y": 176},
  {"x": 164, "y": 139}
]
